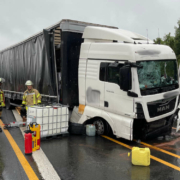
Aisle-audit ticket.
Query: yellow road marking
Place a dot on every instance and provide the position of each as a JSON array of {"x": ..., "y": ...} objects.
[
  {"x": 27, "y": 168},
  {"x": 125, "y": 145},
  {"x": 161, "y": 150},
  {"x": 152, "y": 157},
  {"x": 165, "y": 163}
]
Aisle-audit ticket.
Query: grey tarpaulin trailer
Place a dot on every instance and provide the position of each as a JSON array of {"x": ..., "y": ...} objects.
[{"x": 50, "y": 59}]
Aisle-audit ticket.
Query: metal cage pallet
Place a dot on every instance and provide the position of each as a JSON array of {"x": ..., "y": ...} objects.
[{"x": 52, "y": 119}]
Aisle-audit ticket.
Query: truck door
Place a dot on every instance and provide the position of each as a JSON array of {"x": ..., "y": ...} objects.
[
  {"x": 94, "y": 86},
  {"x": 116, "y": 100},
  {"x": 49, "y": 49}
]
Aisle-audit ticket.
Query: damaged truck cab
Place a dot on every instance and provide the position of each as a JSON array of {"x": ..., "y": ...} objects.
[
  {"x": 118, "y": 80},
  {"x": 127, "y": 84}
]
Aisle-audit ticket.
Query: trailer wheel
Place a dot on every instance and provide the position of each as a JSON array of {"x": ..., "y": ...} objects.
[
  {"x": 8, "y": 105},
  {"x": 102, "y": 127}
]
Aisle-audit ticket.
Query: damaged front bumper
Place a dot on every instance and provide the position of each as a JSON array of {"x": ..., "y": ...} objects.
[{"x": 144, "y": 130}]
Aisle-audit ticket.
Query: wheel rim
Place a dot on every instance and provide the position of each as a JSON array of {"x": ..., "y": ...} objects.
[{"x": 99, "y": 127}]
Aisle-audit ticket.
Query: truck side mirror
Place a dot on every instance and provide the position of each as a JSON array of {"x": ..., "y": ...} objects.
[{"x": 125, "y": 78}]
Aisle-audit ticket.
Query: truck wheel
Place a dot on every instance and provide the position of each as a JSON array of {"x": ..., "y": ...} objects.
[
  {"x": 8, "y": 105},
  {"x": 102, "y": 127}
]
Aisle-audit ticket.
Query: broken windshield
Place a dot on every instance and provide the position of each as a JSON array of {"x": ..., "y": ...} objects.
[{"x": 159, "y": 73}]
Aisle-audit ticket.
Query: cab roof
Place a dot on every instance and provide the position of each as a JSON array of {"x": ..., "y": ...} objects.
[{"x": 119, "y": 35}]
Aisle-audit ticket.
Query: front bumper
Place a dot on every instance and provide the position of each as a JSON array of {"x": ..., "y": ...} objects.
[{"x": 144, "y": 130}]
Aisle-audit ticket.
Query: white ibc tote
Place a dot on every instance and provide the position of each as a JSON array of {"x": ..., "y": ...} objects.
[{"x": 52, "y": 119}]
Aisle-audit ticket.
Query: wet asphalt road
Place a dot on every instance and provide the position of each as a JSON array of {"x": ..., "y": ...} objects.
[
  {"x": 11, "y": 167},
  {"x": 96, "y": 158}
]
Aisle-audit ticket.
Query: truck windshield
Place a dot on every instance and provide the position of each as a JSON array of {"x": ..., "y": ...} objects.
[{"x": 157, "y": 74}]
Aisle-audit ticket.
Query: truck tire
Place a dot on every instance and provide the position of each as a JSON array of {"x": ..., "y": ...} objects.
[
  {"x": 8, "y": 105},
  {"x": 102, "y": 127}
]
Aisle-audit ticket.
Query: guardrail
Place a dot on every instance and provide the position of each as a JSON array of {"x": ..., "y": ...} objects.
[{"x": 23, "y": 93}]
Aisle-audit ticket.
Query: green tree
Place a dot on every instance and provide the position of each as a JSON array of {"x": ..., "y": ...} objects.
[
  {"x": 158, "y": 41},
  {"x": 173, "y": 42},
  {"x": 169, "y": 41},
  {"x": 177, "y": 41}
]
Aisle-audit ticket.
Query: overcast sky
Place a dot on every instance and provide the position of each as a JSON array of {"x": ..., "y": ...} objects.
[{"x": 20, "y": 19}]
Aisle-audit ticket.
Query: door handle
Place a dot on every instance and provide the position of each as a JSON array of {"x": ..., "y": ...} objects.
[{"x": 106, "y": 104}]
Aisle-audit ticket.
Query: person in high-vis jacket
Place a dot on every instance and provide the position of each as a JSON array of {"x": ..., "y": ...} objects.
[
  {"x": 31, "y": 97},
  {"x": 2, "y": 99}
]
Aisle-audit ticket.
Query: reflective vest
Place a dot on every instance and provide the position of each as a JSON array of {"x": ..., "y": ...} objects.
[
  {"x": 2, "y": 98},
  {"x": 31, "y": 98}
]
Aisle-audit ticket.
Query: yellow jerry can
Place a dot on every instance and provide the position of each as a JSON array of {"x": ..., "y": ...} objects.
[{"x": 140, "y": 156}]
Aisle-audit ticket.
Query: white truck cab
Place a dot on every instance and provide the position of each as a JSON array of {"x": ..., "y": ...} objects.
[
  {"x": 118, "y": 80},
  {"x": 127, "y": 84}
]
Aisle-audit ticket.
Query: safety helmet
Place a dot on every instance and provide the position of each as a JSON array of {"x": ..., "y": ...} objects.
[
  {"x": 28, "y": 83},
  {"x": 2, "y": 80}
]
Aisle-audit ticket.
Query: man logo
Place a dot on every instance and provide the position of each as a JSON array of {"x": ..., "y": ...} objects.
[{"x": 163, "y": 108}]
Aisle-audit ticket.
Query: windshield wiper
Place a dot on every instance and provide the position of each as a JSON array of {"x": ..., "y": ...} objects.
[
  {"x": 158, "y": 89},
  {"x": 170, "y": 87}
]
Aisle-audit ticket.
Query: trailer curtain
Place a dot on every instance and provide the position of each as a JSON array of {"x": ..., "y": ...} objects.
[{"x": 27, "y": 61}]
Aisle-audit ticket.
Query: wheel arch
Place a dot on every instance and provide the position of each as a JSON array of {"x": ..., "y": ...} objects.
[
  {"x": 90, "y": 121},
  {"x": 90, "y": 113}
]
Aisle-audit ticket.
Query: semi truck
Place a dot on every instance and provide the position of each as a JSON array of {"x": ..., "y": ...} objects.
[{"x": 118, "y": 80}]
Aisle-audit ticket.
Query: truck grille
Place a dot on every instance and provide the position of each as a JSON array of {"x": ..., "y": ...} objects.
[{"x": 160, "y": 107}]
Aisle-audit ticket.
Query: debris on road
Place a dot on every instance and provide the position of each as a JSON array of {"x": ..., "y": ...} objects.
[{"x": 14, "y": 124}]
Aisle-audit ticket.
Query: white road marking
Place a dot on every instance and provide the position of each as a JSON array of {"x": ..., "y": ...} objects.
[{"x": 45, "y": 167}]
